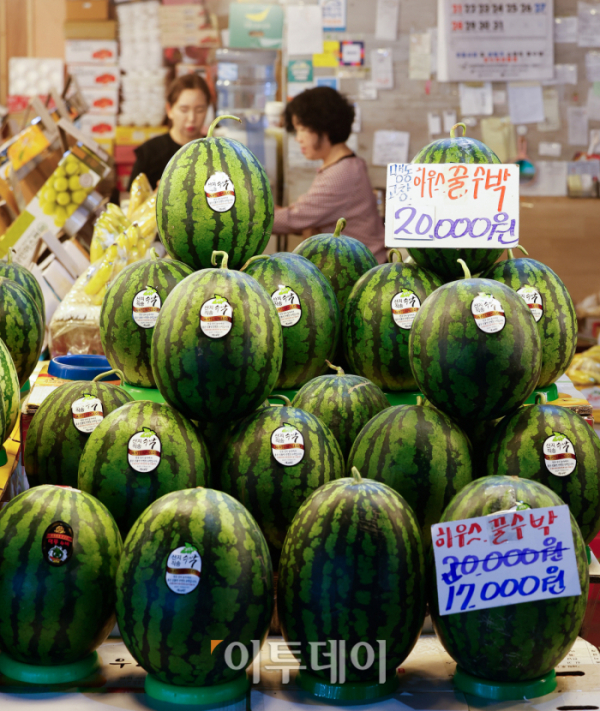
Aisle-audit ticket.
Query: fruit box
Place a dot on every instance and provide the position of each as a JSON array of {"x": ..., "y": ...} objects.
[
  {"x": 92, "y": 75},
  {"x": 101, "y": 100},
  {"x": 87, "y": 10},
  {"x": 91, "y": 51}
]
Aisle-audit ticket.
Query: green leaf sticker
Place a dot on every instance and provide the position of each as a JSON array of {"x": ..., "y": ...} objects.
[
  {"x": 149, "y": 291},
  {"x": 189, "y": 548},
  {"x": 558, "y": 437},
  {"x": 284, "y": 289},
  {"x": 147, "y": 432},
  {"x": 406, "y": 293},
  {"x": 522, "y": 506},
  {"x": 87, "y": 396},
  {"x": 219, "y": 299}
]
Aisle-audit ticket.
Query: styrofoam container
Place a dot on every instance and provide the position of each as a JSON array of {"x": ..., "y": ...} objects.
[
  {"x": 102, "y": 101},
  {"x": 92, "y": 75},
  {"x": 91, "y": 51}
]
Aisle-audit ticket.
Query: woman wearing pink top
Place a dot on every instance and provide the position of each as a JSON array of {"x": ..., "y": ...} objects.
[{"x": 322, "y": 119}]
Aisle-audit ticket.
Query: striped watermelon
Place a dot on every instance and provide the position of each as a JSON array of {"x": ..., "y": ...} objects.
[
  {"x": 516, "y": 642},
  {"x": 129, "y": 312},
  {"x": 456, "y": 149},
  {"x": 10, "y": 391},
  {"x": 352, "y": 569},
  {"x": 214, "y": 195},
  {"x": 25, "y": 279},
  {"x": 58, "y": 594},
  {"x": 169, "y": 619},
  {"x": 443, "y": 262},
  {"x": 308, "y": 310},
  {"x": 378, "y": 319},
  {"x": 274, "y": 459},
  {"x": 474, "y": 350},
  {"x": 217, "y": 345},
  {"x": 555, "y": 446},
  {"x": 345, "y": 403},
  {"x": 21, "y": 327},
  {"x": 420, "y": 453},
  {"x": 552, "y": 309},
  {"x": 140, "y": 452},
  {"x": 54, "y": 441},
  {"x": 342, "y": 259}
]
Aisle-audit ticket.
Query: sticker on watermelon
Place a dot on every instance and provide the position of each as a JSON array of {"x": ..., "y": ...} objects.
[
  {"x": 220, "y": 192},
  {"x": 559, "y": 455},
  {"x": 287, "y": 445},
  {"x": 488, "y": 313},
  {"x": 144, "y": 450},
  {"x": 183, "y": 569},
  {"x": 146, "y": 307},
  {"x": 288, "y": 306},
  {"x": 216, "y": 317},
  {"x": 533, "y": 299},
  {"x": 57, "y": 543},
  {"x": 88, "y": 413},
  {"x": 405, "y": 305}
]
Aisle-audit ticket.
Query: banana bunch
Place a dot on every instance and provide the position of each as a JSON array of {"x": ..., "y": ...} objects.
[
  {"x": 66, "y": 189},
  {"x": 584, "y": 370}
]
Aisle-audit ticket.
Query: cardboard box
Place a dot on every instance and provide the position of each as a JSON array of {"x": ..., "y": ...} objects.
[
  {"x": 91, "y": 51},
  {"x": 102, "y": 101},
  {"x": 87, "y": 10},
  {"x": 94, "y": 29},
  {"x": 125, "y": 155},
  {"x": 90, "y": 75},
  {"x": 98, "y": 126}
]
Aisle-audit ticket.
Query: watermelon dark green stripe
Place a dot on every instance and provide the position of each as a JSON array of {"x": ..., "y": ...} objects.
[
  {"x": 56, "y": 615},
  {"x": 189, "y": 228},
  {"x": 375, "y": 590},
  {"x": 104, "y": 470},
  {"x": 25, "y": 279},
  {"x": 443, "y": 262},
  {"x": 516, "y": 449},
  {"x": 21, "y": 327},
  {"x": 516, "y": 642},
  {"x": 420, "y": 453},
  {"x": 126, "y": 344},
  {"x": 169, "y": 634},
  {"x": 374, "y": 345},
  {"x": 10, "y": 390},
  {"x": 558, "y": 325}
]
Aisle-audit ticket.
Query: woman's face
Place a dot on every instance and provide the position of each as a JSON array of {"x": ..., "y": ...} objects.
[
  {"x": 313, "y": 146},
  {"x": 187, "y": 114}
]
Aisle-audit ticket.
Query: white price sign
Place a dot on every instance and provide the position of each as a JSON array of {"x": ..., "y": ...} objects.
[
  {"x": 505, "y": 558},
  {"x": 452, "y": 205}
]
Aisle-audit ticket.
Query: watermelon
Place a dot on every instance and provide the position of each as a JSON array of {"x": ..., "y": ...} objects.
[
  {"x": 10, "y": 391},
  {"x": 214, "y": 195},
  {"x": 168, "y": 616},
  {"x": 129, "y": 312},
  {"x": 58, "y": 594},
  {"x": 420, "y": 453},
  {"x": 61, "y": 426},
  {"x": 140, "y": 452},
  {"x": 456, "y": 149},
  {"x": 308, "y": 310},
  {"x": 551, "y": 306},
  {"x": 555, "y": 446},
  {"x": 217, "y": 346},
  {"x": 352, "y": 569},
  {"x": 345, "y": 403},
  {"x": 274, "y": 459},
  {"x": 511, "y": 643},
  {"x": 21, "y": 327},
  {"x": 474, "y": 350},
  {"x": 342, "y": 259},
  {"x": 25, "y": 279},
  {"x": 378, "y": 319}
]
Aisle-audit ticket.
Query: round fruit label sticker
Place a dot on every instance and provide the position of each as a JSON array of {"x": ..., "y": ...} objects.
[
  {"x": 287, "y": 303},
  {"x": 183, "y": 569},
  {"x": 405, "y": 305},
  {"x": 143, "y": 451},
  {"x": 488, "y": 313},
  {"x": 146, "y": 307},
  {"x": 533, "y": 299},
  {"x": 57, "y": 543},
  {"x": 88, "y": 413},
  {"x": 559, "y": 455},
  {"x": 220, "y": 192},
  {"x": 287, "y": 445},
  {"x": 216, "y": 317}
]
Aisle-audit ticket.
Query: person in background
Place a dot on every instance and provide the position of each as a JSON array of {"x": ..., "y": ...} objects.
[
  {"x": 322, "y": 120},
  {"x": 188, "y": 100}
]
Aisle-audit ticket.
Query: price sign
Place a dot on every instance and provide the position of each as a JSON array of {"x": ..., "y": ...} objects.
[
  {"x": 452, "y": 205},
  {"x": 505, "y": 558}
]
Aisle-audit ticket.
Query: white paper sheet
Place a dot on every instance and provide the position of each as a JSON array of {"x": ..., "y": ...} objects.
[
  {"x": 551, "y": 111},
  {"x": 499, "y": 97},
  {"x": 498, "y": 133},
  {"x": 386, "y": 23},
  {"x": 419, "y": 56},
  {"x": 434, "y": 123},
  {"x": 390, "y": 147},
  {"x": 594, "y": 146},
  {"x": 476, "y": 99},
  {"x": 525, "y": 103},
  {"x": 334, "y": 14},
  {"x": 304, "y": 30},
  {"x": 578, "y": 125},
  {"x": 565, "y": 29},
  {"x": 592, "y": 64},
  {"x": 433, "y": 31},
  {"x": 593, "y": 105},
  {"x": 382, "y": 68},
  {"x": 550, "y": 180},
  {"x": 565, "y": 73},
  {"x": 449, "y": 116},
  {"x": 588, "y": 25},
  {"x": 553, "y": 150},
  {"x": 367, "y": 91}
]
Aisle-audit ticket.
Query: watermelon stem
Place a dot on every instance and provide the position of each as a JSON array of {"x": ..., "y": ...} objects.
[
  {"x": 254, "y": 259},
  {"x": 213, "y": 259},
  {"x": 356, "y": 476},
  {"x": 9, "y": 256},
  {"x": 525, "y": 252},
  {"x": 337, "y": 368},
  {"x": 541, "y": 399},
  {"x": 110, "y": 372},
  {"x": 213, "y": 125},
  {"x": 457, "y": 125},
  {"x": 465, "y": 268},
  {"x": 153, "y": 254},
  {"x": 286, "y": 400},
  {"x": 341, "y": 223},
  {"x": 419, "y": 400},
  {"x": 394, "y": 253}
]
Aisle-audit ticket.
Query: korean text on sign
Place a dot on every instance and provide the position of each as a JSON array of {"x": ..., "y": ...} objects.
[
  {"x": 504, "y": 559},
  {"x": 452, "y": 205}
]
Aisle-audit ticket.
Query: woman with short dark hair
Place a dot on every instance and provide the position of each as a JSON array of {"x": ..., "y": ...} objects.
[{"x": 322, "y": 120}]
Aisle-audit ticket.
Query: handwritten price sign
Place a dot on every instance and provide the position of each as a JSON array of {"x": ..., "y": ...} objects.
[
  {"x": 452, "y": 205},
  {"x": 504, "y": 559}
]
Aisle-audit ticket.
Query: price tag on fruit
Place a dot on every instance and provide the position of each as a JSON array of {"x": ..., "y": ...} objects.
[
  {"x": 452, "y": 205},
  {"x": 505, "y": 558}
]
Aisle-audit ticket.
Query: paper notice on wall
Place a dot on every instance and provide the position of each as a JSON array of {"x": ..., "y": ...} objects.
[
  {"x": 304, "y": 29},
  {"x": 419, "y": 56},
  {"x": 334, "y": 15},
  {"x": 367, "y": 91},
  {"x": 382, "y": 68},
  {"x": 498, "y": 133},
  {"x": 525, "y": 103},
  {"x": 552, "y": 150},
  {"x": 329, "y": 57},
  {"x": 588, "y": 26},
  {"x": 499, "y": 97},
  {"x": 390, "y": 147},
  {"x": 476, "y": 98},
  {"x": 577, "y": 118},
  {"x": 433, "y": 32},
  {"x": 594, "y": 146},
  {"x": 449, "y": 116},
  {"x": 593, "y": 105},
  {"x": 565, "y": 29},
  {"x": 592, "y": 64},
  {"x": 434, "y": 123},
  {"x": 550, "y": 180},
  {"x": 565, "y": 74},
  {"x": 551, "y": 111},
  {"x": 386, "y": 23}
]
